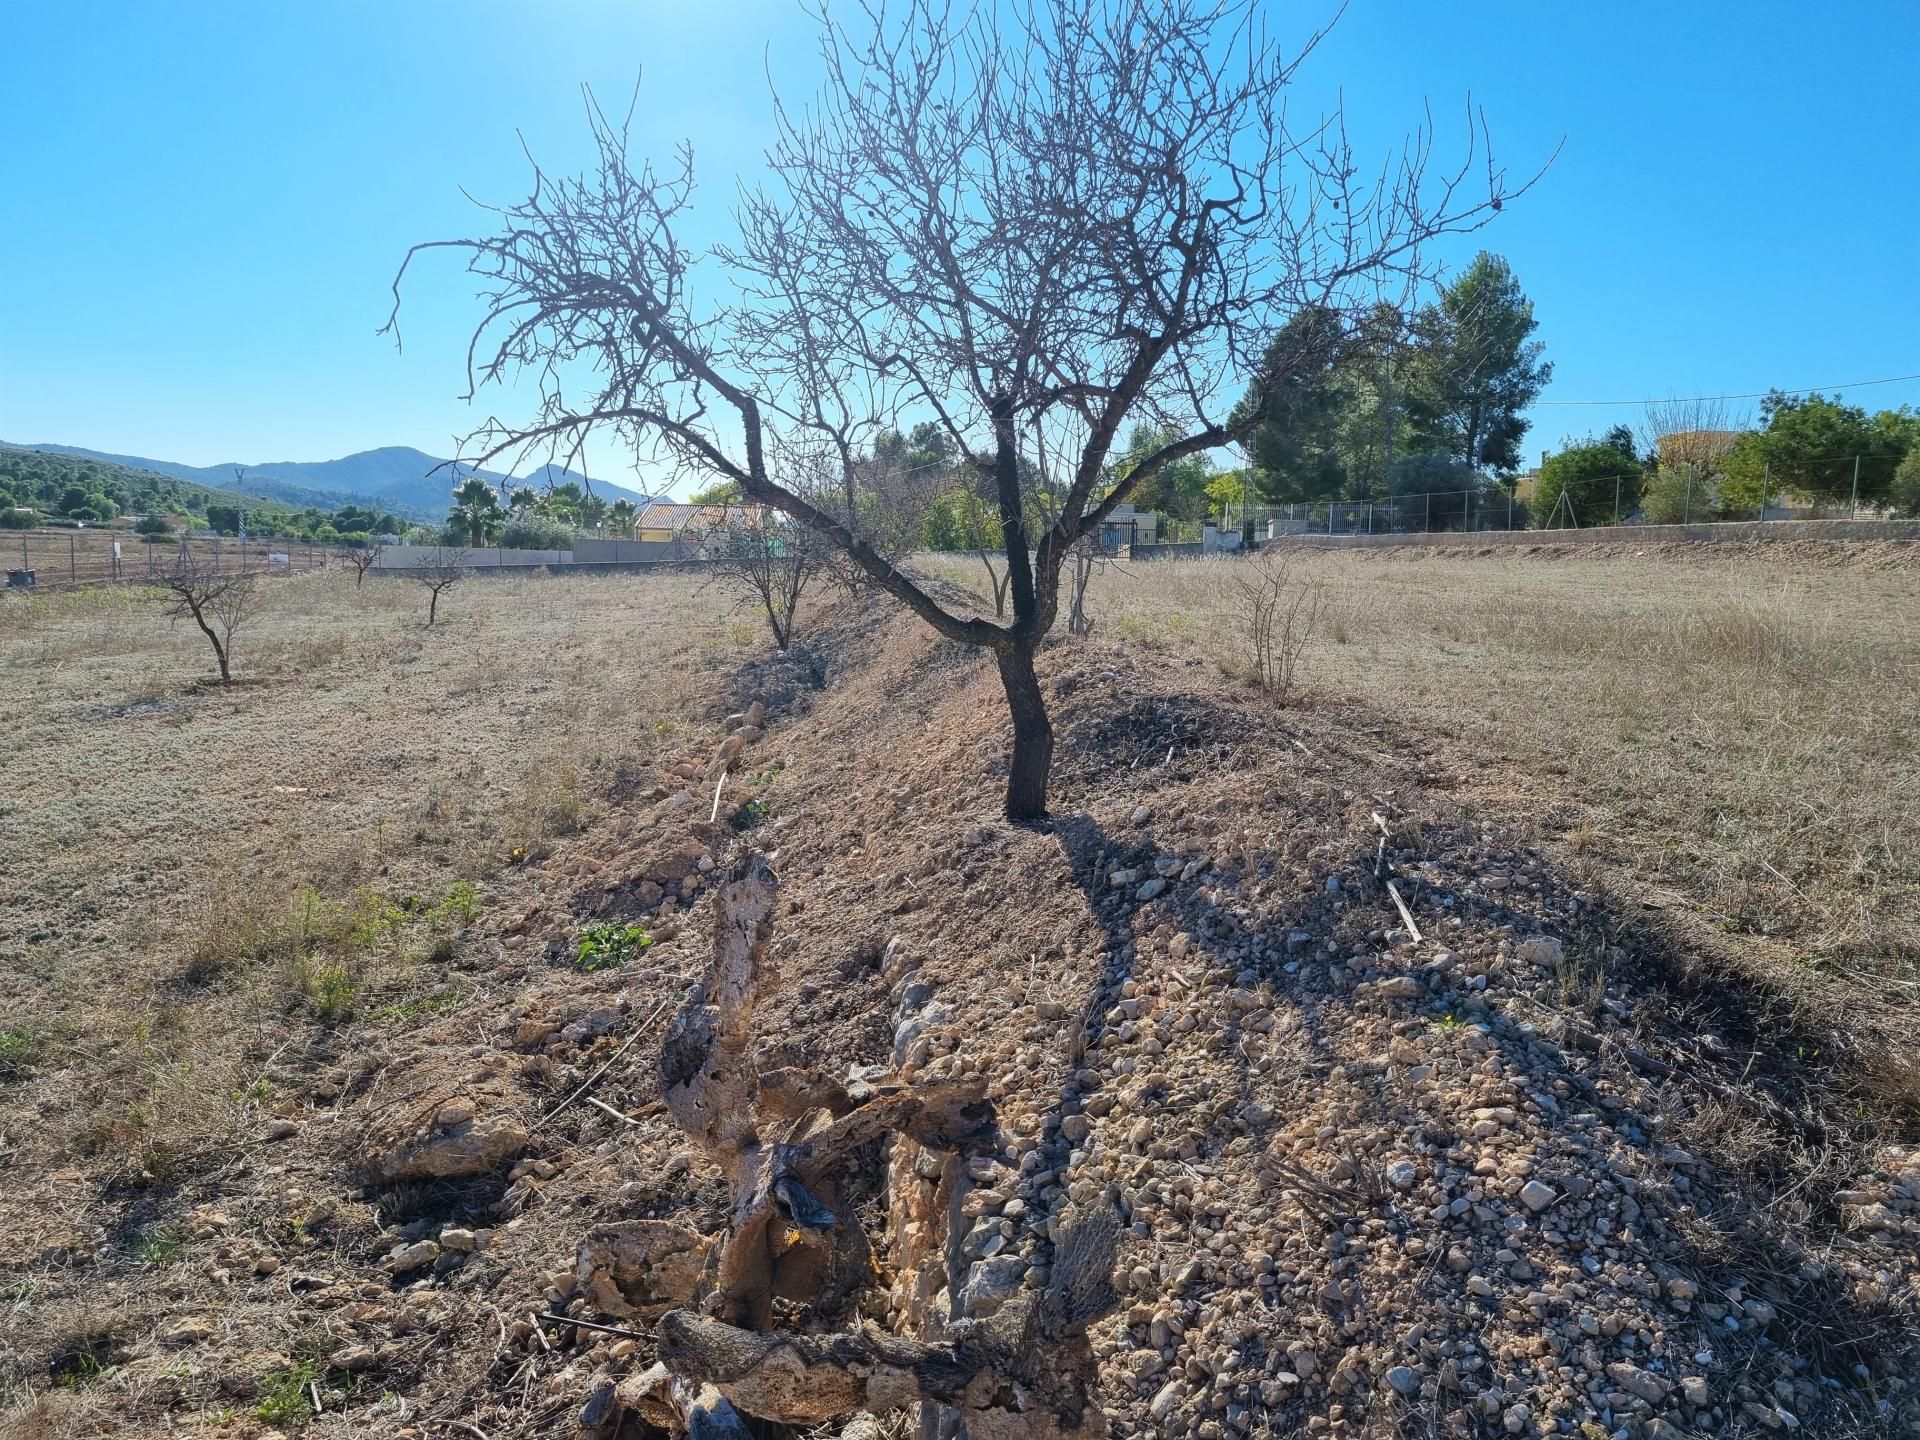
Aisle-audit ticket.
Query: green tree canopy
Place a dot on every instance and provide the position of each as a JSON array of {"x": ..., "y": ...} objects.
[
  {"x": 1296, "y": 451},
  {"x": 1808, "y": 445},
  {"x": 1599, "y": 480},
  {"x": 721, "y": 492},
  {"x": 1178, "y": 489},
  {"x": 1904, "y": 493},
  {"x": 1475, "y": 367}
]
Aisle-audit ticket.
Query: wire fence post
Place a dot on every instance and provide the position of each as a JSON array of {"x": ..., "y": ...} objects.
[
  {"x": 1427, "y": 523},
  {"x": 1766, "y": 484},
  {"x": 1616, "y": 499},
  {"x": 73, "y": 566},
  {"x": 1686, "y": 509},
  {"x": 1856, "y": 488}
]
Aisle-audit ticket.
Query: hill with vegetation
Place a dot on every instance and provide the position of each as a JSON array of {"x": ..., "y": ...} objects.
[
  {"x": 39, "y": 487},
  {"x": 396, "y": 478}
]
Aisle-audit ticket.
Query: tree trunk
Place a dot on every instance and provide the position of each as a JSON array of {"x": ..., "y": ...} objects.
[
  {"x": 433, "y": 604},
  {"x": 1032, "y": 734}
]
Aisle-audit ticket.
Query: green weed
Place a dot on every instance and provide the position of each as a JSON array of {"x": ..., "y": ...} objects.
[
  {"x": 604, "y": 946},
  {"x": 461, "y": 907},
  {"x": 399, "y": 1011},
  {"x": 282, "y": 1394},
  {"x": 19, "y": 1049}
]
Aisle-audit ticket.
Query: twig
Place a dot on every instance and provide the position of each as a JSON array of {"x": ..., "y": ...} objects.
[
  {"x": 587, "y": 1083},
  {"x": 1405, "y": 914},
  {"x": 538, "y": 1333},
  {"x": 599, "y": 1104},
  {"x": 459, "y": 1425},
  {"x": 594, "y": 1325},
  {"x": 313, "y": 1389},
  {"x": 718, "y": 785}
]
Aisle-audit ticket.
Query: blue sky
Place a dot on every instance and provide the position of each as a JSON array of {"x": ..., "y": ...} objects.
[{"x": 208, "y": 200}]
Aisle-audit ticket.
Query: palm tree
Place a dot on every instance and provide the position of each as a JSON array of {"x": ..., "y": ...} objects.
[
  {"x": 476, "y": 511},
  {"x": 623, "y": 513}
]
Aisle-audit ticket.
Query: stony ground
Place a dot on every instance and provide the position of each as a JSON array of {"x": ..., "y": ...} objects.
[{"x": 1546, "y": 1169}]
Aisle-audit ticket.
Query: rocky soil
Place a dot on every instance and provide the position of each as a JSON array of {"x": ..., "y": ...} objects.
[{"x": 1532, "y": 1170}]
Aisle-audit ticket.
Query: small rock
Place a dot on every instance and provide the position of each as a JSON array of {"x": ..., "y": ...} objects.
[
  {"x": 1149, "y": 889},
  {"x": 190, "y": 1331},
  {"x": 1142, "y": 814},
  {"x": 1396, "y": 987},
  {"x": 1541, "y": 950},
  {"x": 411, "y": 1257},
  {"x": 1164, "y": 1402},
  {"x": 1644, "y": 1383},
  {"x": 462, "y": 1242},
  {"x": 1404, "y": 1379},
  {"x": 1402, "y": 1173},
  {"x": 1536, "y": 1196},
  {"x": 280, "y": 1130},
  {"x": 1698, "y": 1393}
]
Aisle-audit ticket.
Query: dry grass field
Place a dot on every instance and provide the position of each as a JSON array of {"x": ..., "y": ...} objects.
[
  {"x": 157, "y": 832},
  {"x": 236, "y": 924},
  {"x": 1746, "y": 732}
]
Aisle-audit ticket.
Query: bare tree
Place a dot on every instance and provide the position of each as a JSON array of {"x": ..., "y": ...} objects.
[
  {"x": 1072, "y": 213},
  {"x": 1695, "y": 435},
  {"x": 362, "y": 560},
  {"x": 218, "y": 602},
  {"x": 763, "y": 557},
  {"x": 1279, "y": 612},
  {"x": 440, "y": 570}
]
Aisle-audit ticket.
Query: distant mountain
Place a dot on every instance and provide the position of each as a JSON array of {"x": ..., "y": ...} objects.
[{"x": 398, "y": 479}]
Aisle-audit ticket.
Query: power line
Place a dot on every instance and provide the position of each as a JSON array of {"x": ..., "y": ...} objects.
[{"x": 1751, "y": 395}]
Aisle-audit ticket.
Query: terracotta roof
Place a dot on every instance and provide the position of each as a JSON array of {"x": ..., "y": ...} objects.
[{"x": 667, "y": 515}]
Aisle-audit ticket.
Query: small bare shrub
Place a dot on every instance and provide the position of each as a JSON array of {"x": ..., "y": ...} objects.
[
  {"x": 438, "y": 572},
  {"x": 1278, "y": 613}
]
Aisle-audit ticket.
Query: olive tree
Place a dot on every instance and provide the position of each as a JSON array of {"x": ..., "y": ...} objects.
[{"x": 1025, "y": 225}]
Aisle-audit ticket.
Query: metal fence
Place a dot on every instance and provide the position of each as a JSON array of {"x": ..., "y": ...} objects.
[
  {"x": 59, "y": 558},
  {"x": 1493, "y": 508}
]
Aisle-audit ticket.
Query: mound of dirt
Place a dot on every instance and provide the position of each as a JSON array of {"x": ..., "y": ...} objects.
[{"x": 1409, "y": 1127}]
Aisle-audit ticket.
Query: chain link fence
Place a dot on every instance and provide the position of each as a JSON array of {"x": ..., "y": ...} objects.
[{"x": 58, "y": 558}]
